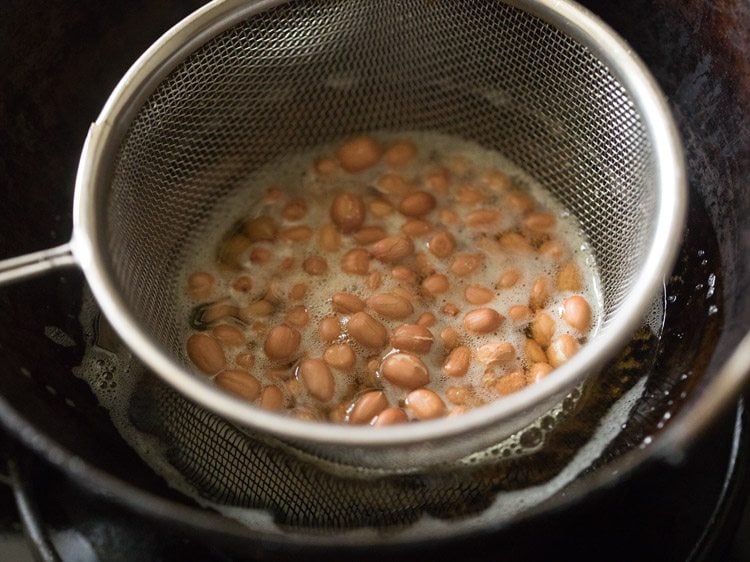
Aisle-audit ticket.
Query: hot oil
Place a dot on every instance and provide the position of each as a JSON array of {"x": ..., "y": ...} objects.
[
  {"x": 623, "y": 408},
  {"x": 293, "y": 177}
]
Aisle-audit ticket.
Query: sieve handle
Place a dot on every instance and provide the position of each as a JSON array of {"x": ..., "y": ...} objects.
[{"x": 36, "y": 263}]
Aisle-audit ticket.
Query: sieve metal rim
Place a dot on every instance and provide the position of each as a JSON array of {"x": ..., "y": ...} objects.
[{"x": 172, "y": 48}]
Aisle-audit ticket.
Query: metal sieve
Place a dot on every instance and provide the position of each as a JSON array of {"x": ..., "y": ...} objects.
[{"x": 239, "y": 83}]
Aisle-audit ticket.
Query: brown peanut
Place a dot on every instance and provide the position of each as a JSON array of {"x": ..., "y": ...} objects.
[
  {"x": 347, "y": 303},
  {"x": 400, "y": 153},
  {"x": 240, "y": 383},
  {"x": 465, "y": 264},
  {"x": 348, "y": 212},
  {"x": 329, "y": 329},
  {"x": 297, "y": 316},
  {"x": 200, "y": 284},
  {"x": 478, "y": 294},
  {"x": 510, "y": 383},
  {"x": 296, "y": 234},
  {"x": 367, "y": 406},
  {"x": 498, "y": 352},
  {"x": 390, "y": 306},
  {"x": 442, "y": 244},
  {"x": 569, "y": 278},
  {"x": 414, "y": 228},
  {"x": 458, "y": 361},
  {"x": 508, "y": 279},
  {"x": 542, "y": 329},
  {"x": 390, "y": 416},
  {"x": 356, "y": 262},
  {"x": 425, "y": 404},
  {"x": 534, "y": 352},
  {"x": 294, "y": 210},
  {"x": 329, "y": 239},
  {"x": 413, "y": 338},
  {"x": 519, "y": 313},
  {"x": 281, "y": 342},
  {"x": 417, "y": 204},
  {"x": 369, "y": 234},
  {"x": 561, "y": 349},
  {"x": 392, "y": 249},
  {"x": 315, "y": 265},
  {"x": 427, "y": 319},
  {"x": 340, "y": 356},
  {"x": 436, "y": 284},
  {"x": 367, "y": 331},
  {"x": 228, "y": 335},
  {"x": 392, "y": 184},
  {"x": 538, "y": 371},
  {"x": 483, "y": 219},
  {"x": 374, "y": 280},
  {"x": 260, "y": 229},
  {"x": 271, "y": 398},
  {"x": 405, "y": 370},
  {"x": 450, "y": 338},
  {"x": 482, "y": 320},
  {"x": 317, "y": 378},
  {"x": 404, "y": 274},
  {"x": 459, "y": 395},
  {"x": 540, "y": 293},
  {"x": 577, "y": 313},
  {"x": 358, "y": 154},
  {"x": 206, "y": 353},
  {"x": 298, "y": 291}
]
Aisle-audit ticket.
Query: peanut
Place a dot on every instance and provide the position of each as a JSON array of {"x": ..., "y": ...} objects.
[
  {"x": 390, "y": 306},
  {"x": 206, "y": 353},
  {"x": 458, "y": 361},
  {"x": 413, "y": 338},
  {"x": 400, "y": 153},
  {"x": 240, "y": 383},
  {"x": 390, "y": 416},
  {"x": 482, "y": 320},
  {"x": 510, "y": 383},
  {"x": 271, "y": 398},
  {"x": 499, "y": 352},
  {"x": 442, "y": 244},
  {"x": 317, "y": 378},
  {"x": 347, "y": 303},
  {"x": 425, "y": 404},
  {"x": 348, "y": 212},
  {"x": 358, "y": 154},
  {"x": 436, "y": 284},
  {"x": 367, "y": 331},
  {"x": 315, "y": 265},
  {"x": 478, "y": 294},
  {"x": 405, "y": 370},
  {"x": 417, "y": 204},
  {"x": 577, "y": 313},
  {"x": 369, "y": 234},
  {"x": 340, "y": 356},
  {"x": 561, "y": 349},
  {"x": 367, "y": 406},
  {"x": 281, "y": 342},
  {"x": 465, "y": 264},
  {"x": 329, "y": 239},
  {"x": 260, "y": 229},
  {"x": 392, "y": 249},
  {"x": 538, "y": 371},
  {"x": 329, "y": 329},
  {"x": 356, "y": 262},
  {"x": 200, "y": 284}
]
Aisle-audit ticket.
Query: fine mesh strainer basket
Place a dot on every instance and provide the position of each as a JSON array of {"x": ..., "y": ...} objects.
[{"x": 238, "y": 84}]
